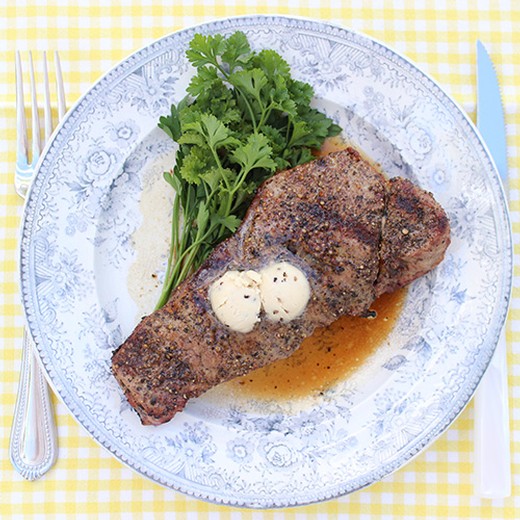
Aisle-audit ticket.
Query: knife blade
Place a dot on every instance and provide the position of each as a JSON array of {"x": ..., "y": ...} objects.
[
  {"x": 490, "y": 113},
  {"x": 492, "y": 436}
]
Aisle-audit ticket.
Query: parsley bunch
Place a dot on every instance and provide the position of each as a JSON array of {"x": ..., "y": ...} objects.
[{"x": 244, "y": 118}]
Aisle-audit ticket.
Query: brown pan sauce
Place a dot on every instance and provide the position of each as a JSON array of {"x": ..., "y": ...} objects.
[{"x": 327, "y": 356}]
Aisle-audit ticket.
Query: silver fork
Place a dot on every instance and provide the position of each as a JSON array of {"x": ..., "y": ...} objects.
[{"x": 33, "y": 447}]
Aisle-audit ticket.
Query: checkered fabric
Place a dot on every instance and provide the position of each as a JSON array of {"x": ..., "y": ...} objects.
[{"x": 87, "y": 482}]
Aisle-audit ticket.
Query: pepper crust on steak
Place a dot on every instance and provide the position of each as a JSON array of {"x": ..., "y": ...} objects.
[{"x": 353, "y": 232}]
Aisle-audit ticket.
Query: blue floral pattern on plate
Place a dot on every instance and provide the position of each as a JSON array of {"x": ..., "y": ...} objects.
[{"x": 77, "y": 248}]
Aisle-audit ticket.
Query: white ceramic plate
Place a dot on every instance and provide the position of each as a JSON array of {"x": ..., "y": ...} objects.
[{"x": 81, "y": 242}]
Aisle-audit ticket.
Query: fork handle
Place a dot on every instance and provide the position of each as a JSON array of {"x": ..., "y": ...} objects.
[{"x": 33, "y": 445}]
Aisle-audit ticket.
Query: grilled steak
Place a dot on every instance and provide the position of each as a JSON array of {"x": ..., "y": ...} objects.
[{"x": 354, "y": 234}]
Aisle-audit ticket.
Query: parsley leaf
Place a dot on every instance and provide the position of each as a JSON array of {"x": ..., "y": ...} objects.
[{"x": 255, "y": 153}]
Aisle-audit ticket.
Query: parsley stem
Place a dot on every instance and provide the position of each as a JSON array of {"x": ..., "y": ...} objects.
[{"x": 174, "y": 245}]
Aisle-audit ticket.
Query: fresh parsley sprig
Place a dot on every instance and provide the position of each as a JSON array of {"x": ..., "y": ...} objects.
[{"x": 244, "y": 118}]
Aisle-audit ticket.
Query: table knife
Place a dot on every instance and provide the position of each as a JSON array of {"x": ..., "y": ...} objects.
[{"x": 492, "y": 437}]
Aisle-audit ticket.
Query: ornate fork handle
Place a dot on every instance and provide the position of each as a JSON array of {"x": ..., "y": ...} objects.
[{"x": 33, "y": 446}]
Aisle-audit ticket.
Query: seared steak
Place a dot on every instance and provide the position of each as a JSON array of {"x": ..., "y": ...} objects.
[{"x": 351, "y": 231}]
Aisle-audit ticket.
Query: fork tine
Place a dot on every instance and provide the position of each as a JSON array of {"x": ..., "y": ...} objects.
[
  {"x": 21, "y": 121},
  {"x": 36, "y": 139},
  {"x": 24, "y": 168},
  {"x": 59, "y": 84},
  {"x": 47, "y": 112}
]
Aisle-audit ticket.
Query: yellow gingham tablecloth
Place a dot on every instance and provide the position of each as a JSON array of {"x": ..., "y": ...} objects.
[{"x": 439, "y": 36}]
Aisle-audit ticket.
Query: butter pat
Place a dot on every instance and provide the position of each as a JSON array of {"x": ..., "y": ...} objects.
[
  {"x": 284, "y": 290},
  {"x": 235, "y": 299}
]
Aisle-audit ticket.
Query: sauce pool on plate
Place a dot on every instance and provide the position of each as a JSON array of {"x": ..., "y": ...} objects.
[{"x": 325, "y": 357}]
